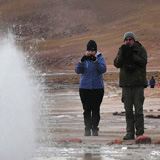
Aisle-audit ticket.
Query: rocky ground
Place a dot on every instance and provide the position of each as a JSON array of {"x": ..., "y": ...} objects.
[
  {"x": 65, "y": 117},
  {"x": 61, "y": 128}
]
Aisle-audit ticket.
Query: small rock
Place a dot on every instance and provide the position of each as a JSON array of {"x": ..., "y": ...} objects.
[
  {"x": 153, "y": 116},
  {"x": 109, "y": 143},
  {"x": 115, "y": 113},
  {"x": 117, "y": 141},
  {"x": 122, "y": 114},
  {"x": 62, "y": 140},
  {"x": 157, "y": 141},
  {"x": 149, "y": 116},
  {"x": 119, "y": 113},
  {"x": 151, "y": 110},
  {"x": 143, "y": 140},
  {"x": 158, "y": 110}
]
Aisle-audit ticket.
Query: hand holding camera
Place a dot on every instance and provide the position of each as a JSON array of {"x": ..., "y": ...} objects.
[
  {"x": 91, "y": 58},
  {"x": 84, "y": 58},
  {"x": 127, "y": 51}
]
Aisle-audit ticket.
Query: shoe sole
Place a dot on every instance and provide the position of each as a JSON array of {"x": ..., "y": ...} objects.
[{"x": 129, "y": 139}]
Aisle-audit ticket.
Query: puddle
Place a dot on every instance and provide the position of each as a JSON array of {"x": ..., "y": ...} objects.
[{"x": 98, "y": 152}]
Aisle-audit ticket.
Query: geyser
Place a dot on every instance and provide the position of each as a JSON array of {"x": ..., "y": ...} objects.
[{"x": 18, "y": 98}]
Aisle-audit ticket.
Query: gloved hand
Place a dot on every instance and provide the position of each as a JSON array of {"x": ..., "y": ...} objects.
[
  {"x": 129, "y": 52},
  {"x": 84, "y": 58},
  {"x": 93, "y": 58},
  {"x": 123, "y": 48}
]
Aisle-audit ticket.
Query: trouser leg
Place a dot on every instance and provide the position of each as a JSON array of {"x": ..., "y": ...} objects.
[
  {"x": 138, "y": 103},
  {"x": 128, "y": 105},
  {"x": 85, "y": 96},
  {"x": 97, "y": 96}
]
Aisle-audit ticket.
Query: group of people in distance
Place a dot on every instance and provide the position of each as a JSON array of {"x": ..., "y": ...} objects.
[{"x": 132, "y": 61}]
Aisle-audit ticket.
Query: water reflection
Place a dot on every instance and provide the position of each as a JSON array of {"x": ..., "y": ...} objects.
[{"x": 90, "y": 156}]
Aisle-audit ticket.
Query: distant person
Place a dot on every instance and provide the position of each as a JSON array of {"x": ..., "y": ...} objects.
[
  {"x": 132, "y": 60},
  {"x": 91, "y": 88},
  {"x": 152, "y": 82},
  {"x": 147, "y": 84}
]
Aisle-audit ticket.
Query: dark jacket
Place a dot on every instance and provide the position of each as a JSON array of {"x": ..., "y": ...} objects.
[
  {"x": 132, "y": 63},
  {"x": 152, "y": 81}
]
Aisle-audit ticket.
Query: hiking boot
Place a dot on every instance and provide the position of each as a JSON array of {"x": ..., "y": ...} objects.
[
  {"x": 87, "y": 132},
  {"x": 94, "y": 132},
  {"x": 128, "y": 137}
]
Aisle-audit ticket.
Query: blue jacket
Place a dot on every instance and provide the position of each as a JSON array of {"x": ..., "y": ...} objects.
[{"x": 91, "y": 77}]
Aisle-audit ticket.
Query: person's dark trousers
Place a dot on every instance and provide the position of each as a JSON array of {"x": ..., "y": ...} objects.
[
  {"x": 91, "y": 100},
  {"x": 152, "y": 86},
  {"x": 134, "y": 96}
]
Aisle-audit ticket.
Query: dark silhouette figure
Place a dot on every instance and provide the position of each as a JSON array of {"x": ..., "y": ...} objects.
[{"x": 152, "y": 82}]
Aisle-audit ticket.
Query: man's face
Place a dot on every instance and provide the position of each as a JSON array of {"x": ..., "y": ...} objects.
[{"x": 129, "y": 41}]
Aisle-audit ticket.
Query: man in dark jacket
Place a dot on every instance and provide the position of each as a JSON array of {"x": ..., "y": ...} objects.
[{"x": 132, "y": 60}]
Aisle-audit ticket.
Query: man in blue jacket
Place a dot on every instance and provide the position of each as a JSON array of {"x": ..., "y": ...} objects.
[{"x": 91, "y": 87}]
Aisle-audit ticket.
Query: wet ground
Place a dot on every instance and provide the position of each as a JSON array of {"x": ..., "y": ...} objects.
[
  {"x": 98, "y": 152},
  {"x": 60, "y": 131}
]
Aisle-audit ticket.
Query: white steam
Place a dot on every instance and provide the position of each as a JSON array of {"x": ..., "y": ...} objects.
[{"x": 18, "y": 97}]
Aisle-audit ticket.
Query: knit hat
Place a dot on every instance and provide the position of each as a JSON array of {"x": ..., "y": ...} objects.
[
  {"x": 129, "y": 34},
  {"x": 92, "y": 46}
]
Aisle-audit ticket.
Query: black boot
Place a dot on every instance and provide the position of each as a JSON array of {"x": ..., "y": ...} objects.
[
  {"x": 87, "y": 132},
  {"x": 95, "y": 131},
  {"x": 128, "y": 137}
]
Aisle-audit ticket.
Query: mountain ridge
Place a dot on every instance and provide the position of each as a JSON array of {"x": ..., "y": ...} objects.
[{"x": 60, "y": 29}]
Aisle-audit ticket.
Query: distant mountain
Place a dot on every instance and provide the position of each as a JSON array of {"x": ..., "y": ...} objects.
[{"x": 59, "y": 30}]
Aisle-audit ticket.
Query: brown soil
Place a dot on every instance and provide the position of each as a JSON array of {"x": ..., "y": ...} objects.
[{"x": 55, "y": 33}]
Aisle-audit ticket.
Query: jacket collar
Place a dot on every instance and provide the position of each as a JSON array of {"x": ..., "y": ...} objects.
[
  {"x": 136, "y": 46},
  {"x": 98, "y": 54}
]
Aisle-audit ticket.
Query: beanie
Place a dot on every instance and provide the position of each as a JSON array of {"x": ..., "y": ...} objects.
[
  {"x": 92, "y": 46},
  {"x": 129, "y": 34}
]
